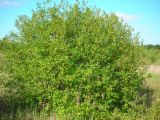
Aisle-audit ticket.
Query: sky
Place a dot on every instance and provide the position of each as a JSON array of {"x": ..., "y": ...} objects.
[{"x": 142, "y": 15}]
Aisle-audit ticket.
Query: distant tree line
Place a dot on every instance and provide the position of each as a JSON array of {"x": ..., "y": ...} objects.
[{"x": 150, "y": 46}]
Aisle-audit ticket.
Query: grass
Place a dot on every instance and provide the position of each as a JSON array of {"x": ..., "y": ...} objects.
[
  {"x": 154, "y": 83},
  {"x": 10, "y": 109}
]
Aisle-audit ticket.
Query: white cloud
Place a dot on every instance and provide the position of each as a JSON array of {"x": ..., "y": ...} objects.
[
  {"x": 127, "y": 17},
  {"x": 8, "y": 3}
]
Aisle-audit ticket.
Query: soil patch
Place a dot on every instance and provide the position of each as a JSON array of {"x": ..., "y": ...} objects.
[{"x": 154, "y": 68}]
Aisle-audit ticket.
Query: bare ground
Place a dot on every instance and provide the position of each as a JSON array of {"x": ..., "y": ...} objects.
[{"x": 154, "y": 69}]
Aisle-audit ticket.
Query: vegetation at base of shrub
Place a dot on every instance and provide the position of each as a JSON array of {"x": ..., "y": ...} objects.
[{"x": 74, "y": 58}]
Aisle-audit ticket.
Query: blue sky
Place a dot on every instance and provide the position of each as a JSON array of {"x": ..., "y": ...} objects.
[{"x": 143, "y": 15}]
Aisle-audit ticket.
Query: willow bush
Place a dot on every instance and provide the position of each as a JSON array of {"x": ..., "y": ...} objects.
[{"x": 75, "y": 59}]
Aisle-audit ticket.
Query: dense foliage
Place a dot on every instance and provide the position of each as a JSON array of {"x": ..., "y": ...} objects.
[{"x": 74, "y": 58}]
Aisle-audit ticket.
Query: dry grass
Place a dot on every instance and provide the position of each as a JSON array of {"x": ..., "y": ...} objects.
[
  {"x": 154, "y": 81},
  {"x": 154, "y": 69}
]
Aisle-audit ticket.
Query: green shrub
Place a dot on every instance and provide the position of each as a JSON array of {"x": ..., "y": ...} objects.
[{"x": 75, "y": 59}]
